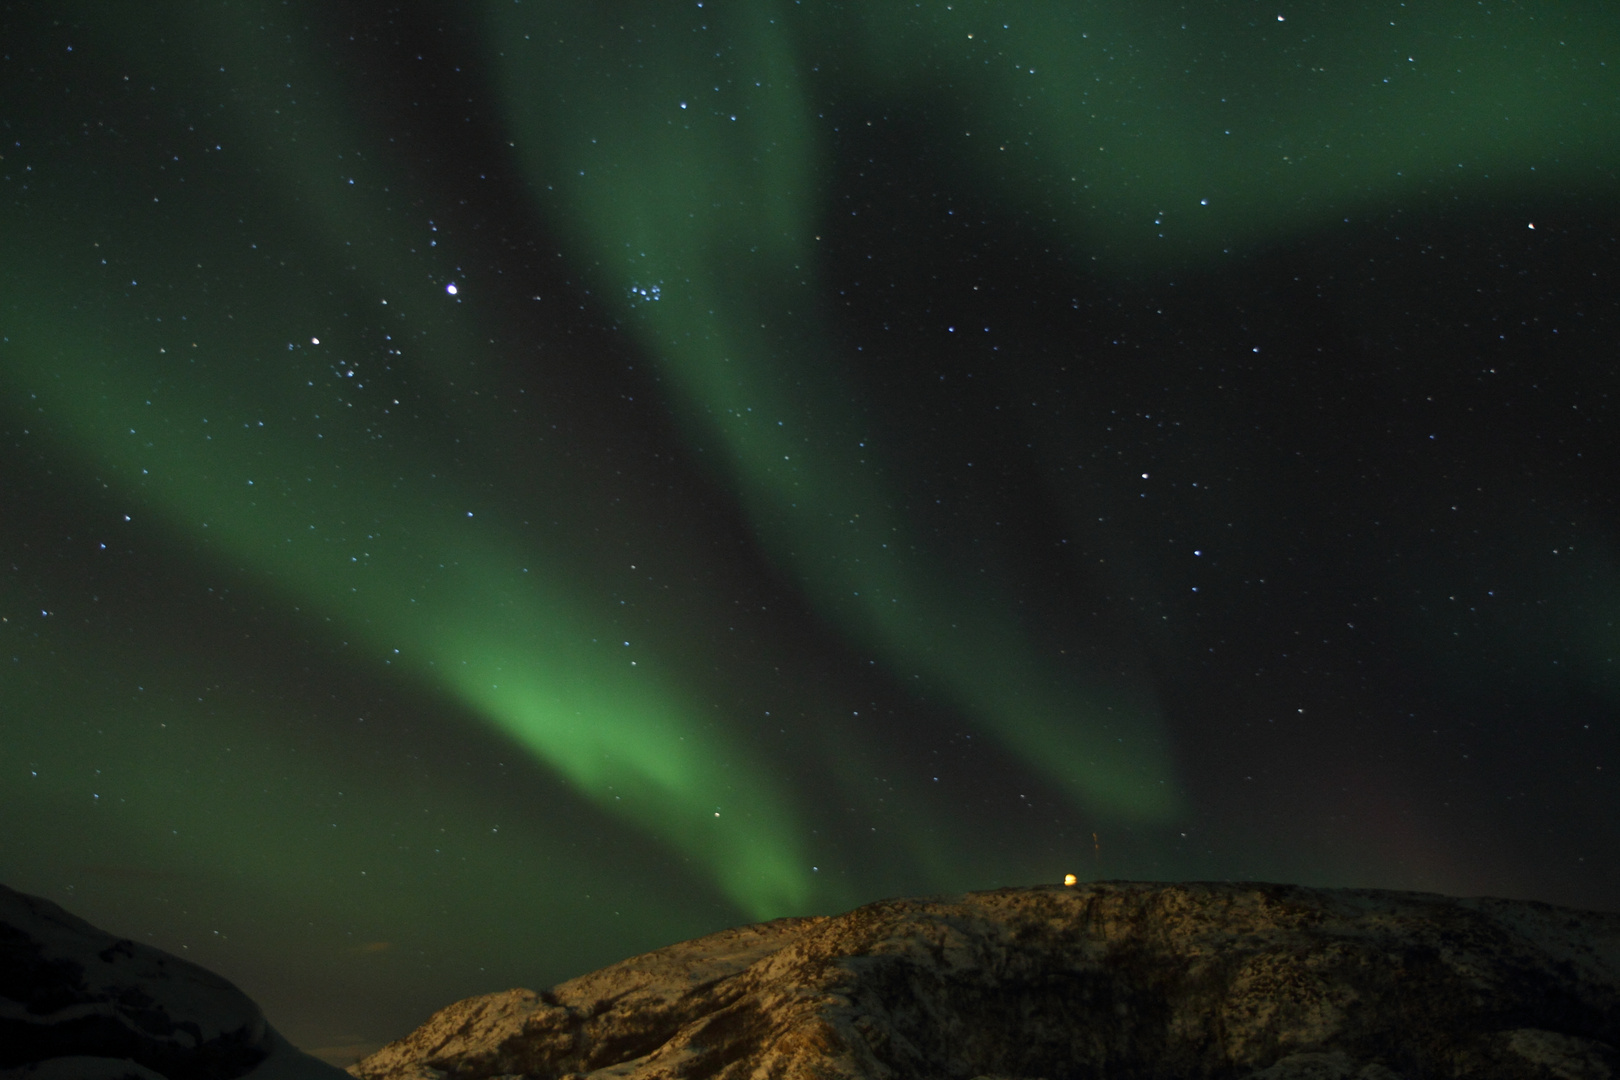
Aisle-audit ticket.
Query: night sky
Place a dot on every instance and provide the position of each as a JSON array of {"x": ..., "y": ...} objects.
[{"x": 491, "y": 489}]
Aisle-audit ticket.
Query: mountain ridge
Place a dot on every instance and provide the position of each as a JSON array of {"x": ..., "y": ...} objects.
[{"x": 1202, "y": 979}]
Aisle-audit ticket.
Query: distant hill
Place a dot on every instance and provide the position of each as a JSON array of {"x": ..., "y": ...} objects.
[{"x": 77, "y": 1003}]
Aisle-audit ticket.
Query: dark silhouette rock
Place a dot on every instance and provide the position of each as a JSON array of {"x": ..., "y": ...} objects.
[
  {"x": 77, "y": 1003},
  {"x": 1115, "y": 980}
]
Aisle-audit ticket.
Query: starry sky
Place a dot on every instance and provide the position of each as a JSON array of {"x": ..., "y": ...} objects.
[{"x": 491, "y": 489}]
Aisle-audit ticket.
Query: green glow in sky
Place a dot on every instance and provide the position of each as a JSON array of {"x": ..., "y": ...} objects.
[
  {"x": 685, "y": 163},
  {"x": 682, "y": 150},
  {"x": 417, "y": 580},
  {"x": 697, "y": 194},
  {"x": 200, "y": 423},
  {"x": 281, "y": 363},
  {"x": 1155, "y": 133}
]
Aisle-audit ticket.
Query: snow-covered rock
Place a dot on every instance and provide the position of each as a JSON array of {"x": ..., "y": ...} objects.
[{"x": 77, "y": 1003}]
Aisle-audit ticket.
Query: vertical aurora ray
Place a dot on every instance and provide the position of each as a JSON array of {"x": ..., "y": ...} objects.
[
  {"x": 694, "y": 184},
  {"x": 681, "y": 151},
  {"x": 287, "y": 453}
]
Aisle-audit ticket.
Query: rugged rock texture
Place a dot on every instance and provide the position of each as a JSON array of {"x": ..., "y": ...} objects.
[
  {"x": 1115, "y": 980},
  {"x": 77, "y": 1003}
]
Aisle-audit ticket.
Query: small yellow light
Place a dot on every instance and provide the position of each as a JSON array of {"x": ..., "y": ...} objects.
[{"x": 1069, "y": 879}]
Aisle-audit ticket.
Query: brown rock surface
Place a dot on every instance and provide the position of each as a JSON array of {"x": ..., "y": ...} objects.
[{"x": 1113, "y": 980}]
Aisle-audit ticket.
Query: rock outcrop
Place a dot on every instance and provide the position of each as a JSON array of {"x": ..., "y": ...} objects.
[
  {"x": 77, "y": 1003},
  {"x": 1116, "y": 980}
]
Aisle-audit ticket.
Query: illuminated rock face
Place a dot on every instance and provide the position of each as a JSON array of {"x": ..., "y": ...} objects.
[
  {"x": 1107, "y": 980},
  {"x": 76, "y": 1003}
]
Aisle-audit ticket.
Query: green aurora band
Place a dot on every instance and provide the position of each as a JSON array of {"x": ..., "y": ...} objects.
[
  {"x": 682, "y": 154},
  {"x": 685, "y": 167},
  {"x": 333, "y": 525}
]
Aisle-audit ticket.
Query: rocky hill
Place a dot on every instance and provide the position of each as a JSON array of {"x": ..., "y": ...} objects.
[
  {"x": 1115, "y": 980},
  {"x": 77, "y": 1003}
]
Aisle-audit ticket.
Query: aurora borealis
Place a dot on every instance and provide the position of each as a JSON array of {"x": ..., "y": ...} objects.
[{"x": 487, "y": 492}]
